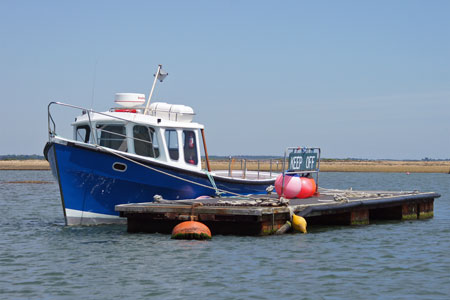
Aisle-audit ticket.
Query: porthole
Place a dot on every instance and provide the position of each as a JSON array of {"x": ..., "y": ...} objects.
[{"x": 120, "y": 167}]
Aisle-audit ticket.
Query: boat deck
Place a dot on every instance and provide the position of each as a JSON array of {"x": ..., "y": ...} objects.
[{"x": 265, "y": 214}]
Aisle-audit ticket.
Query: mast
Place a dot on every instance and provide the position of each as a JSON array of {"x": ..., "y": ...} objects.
[
  {"x": 206, "y": 150},
  {"x": 159, "y": 75}
]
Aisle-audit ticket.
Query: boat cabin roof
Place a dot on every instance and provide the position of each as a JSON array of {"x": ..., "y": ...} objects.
[{"x": 130, "y": 117}]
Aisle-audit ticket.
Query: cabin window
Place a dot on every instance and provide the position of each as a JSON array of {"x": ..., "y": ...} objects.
[
  {"x": 83, "y": 133},
  {"x": 145, "y": 141},
  {"x": 113, "y": 136},
  {"x": 172, "y": 143},
  {"x": 190, "y": 147}
]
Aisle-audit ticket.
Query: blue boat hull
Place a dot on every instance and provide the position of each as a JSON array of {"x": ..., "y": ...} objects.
[{"x": 91, "y": 188}]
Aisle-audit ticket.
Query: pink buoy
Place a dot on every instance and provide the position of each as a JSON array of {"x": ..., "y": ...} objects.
[
  {"x": 292, "y": 185},
  {"x": 308, "y": 188}
]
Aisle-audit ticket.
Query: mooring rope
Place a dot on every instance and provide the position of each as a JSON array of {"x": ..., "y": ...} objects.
[
  {"x": 213, "y": 183},
  {"x": 174, "y": 176},
  {"x": 344, "y": 195}
]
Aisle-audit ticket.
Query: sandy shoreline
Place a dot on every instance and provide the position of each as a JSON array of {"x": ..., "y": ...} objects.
[
  {"x": 386, "y": 166},
  {"x": 325, "y": 166},
  {"x": 356, "y": 166},
  {"x": 31, "y": 164}
]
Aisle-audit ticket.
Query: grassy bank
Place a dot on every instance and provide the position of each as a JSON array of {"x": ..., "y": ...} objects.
[
  {"x": 325, "y": 166},
  {"x": 352, "y": 166},
  {"x": 29, "y": 164},
  {"x": 386, "y": 166}
]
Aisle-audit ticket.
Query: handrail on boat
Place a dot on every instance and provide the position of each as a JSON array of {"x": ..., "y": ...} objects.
[
  {"x": 52, "y": 132},
  {"x": 50, "y": 118}
]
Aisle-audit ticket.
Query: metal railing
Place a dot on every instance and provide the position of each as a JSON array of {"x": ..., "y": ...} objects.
[
  {"x": 258, "y": 165},
  {"x": 94, "y": 130},
  {"x": 238, "y": 167},
  {"x": 244, "y": 168}
]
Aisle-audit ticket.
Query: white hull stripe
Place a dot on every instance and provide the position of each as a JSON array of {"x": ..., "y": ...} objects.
[{"x": 78, "y": 217}]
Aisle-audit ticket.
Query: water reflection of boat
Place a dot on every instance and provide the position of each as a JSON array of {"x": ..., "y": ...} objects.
[{"x": 132, "y": 153}]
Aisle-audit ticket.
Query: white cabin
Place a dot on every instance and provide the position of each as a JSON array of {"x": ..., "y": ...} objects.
[{"x": 165, "y": 134}]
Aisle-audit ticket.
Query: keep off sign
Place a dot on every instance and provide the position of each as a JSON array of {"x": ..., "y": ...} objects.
[{"x": 302, "y": 161}]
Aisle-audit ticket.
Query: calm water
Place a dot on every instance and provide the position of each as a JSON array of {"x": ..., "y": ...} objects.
[{"x": 40, "y": 258}]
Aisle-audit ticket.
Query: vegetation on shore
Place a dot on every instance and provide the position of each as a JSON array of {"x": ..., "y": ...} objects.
[
  {"x": 341, "y": 165},
  {"x": 21, "y": 157},
  {"x": 326, "y": 165},
  {"x": 30, "y": 164}
]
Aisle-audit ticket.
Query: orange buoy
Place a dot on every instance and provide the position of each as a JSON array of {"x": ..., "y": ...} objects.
[
  {"x": 313, "y": 182},
  {"x": 191, "y": 230}
]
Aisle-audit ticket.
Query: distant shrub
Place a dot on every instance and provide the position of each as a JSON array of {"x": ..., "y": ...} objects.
[{"x": 20, "y": 157}]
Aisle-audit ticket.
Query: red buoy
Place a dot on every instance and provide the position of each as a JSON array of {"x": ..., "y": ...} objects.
[
  {"x": 308, "y": 188},
  {"x": 191, "y": 230}
]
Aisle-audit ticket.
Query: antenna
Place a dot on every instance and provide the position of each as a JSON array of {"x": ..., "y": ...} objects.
[{"x": 93, "y": 83}]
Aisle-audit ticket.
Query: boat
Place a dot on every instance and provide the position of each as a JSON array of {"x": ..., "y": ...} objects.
[{"x": 134, "y": 152}]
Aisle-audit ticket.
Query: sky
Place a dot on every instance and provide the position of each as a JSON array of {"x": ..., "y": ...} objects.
[{"x": 359, "y": 79}]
